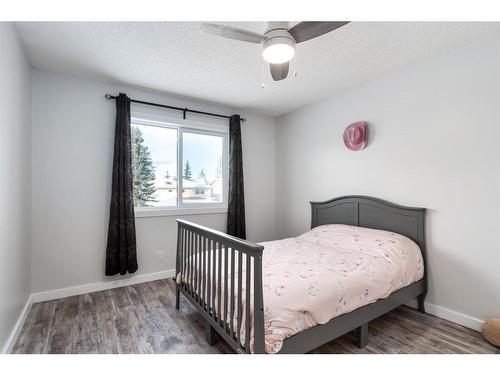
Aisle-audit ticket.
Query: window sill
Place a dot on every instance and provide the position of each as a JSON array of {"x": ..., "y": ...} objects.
[{"x": 178, "y": 211}]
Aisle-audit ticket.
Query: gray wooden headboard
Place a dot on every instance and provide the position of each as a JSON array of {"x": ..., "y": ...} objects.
[{"x": 372, "y": 213}]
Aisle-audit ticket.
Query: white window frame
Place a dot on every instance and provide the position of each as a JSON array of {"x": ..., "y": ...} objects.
[{"x": 186, "y": 126}]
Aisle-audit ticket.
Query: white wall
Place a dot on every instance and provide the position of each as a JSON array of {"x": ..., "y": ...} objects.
[
  {"x": 73, "y": 129},
  {"x": 434, "y": 142},
  {"x": 15, "y": 180}
]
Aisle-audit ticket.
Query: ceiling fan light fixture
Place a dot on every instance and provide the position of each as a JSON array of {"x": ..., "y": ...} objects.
[{"x": 278, "y": 50}]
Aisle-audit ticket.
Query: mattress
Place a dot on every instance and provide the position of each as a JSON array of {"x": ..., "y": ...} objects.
[{"x": 329, "y": 271}]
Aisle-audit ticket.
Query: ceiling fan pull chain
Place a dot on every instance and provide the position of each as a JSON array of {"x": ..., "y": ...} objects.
[
  {"x": 294, "y": 62},
  {"x": 263, "y": 71}
]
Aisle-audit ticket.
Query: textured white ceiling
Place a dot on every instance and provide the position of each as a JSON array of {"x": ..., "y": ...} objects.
[{"x": 178, "y": 58}]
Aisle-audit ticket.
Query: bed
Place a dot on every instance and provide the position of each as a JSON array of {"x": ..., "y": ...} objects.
[{"x": 356, "y": 243}]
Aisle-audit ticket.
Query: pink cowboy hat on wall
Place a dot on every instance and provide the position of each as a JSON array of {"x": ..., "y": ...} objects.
[{"x": 356, "y": 136}]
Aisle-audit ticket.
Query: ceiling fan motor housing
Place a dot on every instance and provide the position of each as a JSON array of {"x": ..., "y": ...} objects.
[{"x": 278, "y": 35}]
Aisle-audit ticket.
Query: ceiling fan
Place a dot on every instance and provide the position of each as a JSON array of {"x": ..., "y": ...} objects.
[{"x": 278, "y": 42}]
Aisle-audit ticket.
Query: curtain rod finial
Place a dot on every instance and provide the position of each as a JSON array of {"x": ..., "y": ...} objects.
[
  {"x": 243, "y": 119},
  {"x": 108, "y": 96}
]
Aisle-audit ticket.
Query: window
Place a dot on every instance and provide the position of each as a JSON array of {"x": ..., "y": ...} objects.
[
  {"x": 170, "y": 158},
  {"x": 202, "y": 168}
]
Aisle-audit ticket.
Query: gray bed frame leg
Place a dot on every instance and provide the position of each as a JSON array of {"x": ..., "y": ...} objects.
[
  {"x": 421, "y": 305},
  {"x": 211, "y": 334},
  {"x": 362, "y": 336},
  {"x": 177, "y": 297}
]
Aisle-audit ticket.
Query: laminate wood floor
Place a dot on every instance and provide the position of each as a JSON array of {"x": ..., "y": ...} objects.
[{"x": 142, "y": 319}]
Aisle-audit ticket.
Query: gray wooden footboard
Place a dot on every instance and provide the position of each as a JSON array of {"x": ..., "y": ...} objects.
[{"x": 220, "y": 293}]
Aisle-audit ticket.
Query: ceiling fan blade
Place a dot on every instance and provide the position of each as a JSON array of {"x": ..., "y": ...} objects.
[
  {"x": 311, "y": 29},
  {"x": 232, "y": 33},
  {"x": 279, "y": 71}
]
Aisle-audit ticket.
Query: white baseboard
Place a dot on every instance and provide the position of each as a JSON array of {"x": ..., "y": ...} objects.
[
  {"x": 9, "y": 345},
  {"x": 452, "y": 316},
  {"x": 96, "y": 287}
]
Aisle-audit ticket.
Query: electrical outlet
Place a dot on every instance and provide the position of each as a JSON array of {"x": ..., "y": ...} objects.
[{"x": 160, "y": 256}]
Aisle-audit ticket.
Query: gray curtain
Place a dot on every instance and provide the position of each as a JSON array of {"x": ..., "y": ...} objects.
[
  {"x": 121, "y": 255},
  {"x": 236, "y": 200}
]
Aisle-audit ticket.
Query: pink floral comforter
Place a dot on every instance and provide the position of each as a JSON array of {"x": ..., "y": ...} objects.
[{"x": 329, "y": 271}]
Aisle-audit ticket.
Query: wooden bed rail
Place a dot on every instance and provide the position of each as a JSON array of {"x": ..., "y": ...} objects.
[{"x": 216, "y": 272}]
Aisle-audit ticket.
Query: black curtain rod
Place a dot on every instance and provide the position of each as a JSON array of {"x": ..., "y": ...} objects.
[{"x": 184, "y": 110}]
